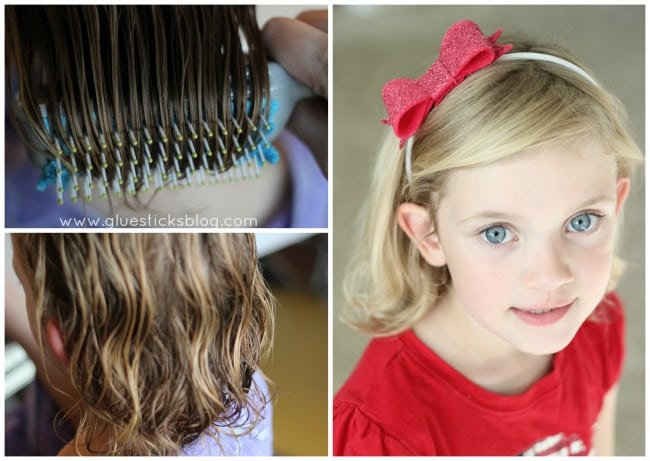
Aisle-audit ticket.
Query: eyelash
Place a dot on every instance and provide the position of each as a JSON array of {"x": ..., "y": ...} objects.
[{"x": 591, "y": 213}]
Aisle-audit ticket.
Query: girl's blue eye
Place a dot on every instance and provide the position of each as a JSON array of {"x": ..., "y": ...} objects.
[
  {"x": 497, "y": 235},
  {"x": 583, "y": 222}
]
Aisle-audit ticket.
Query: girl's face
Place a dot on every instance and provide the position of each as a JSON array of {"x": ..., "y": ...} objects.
[{"x": 529, "y": 241}]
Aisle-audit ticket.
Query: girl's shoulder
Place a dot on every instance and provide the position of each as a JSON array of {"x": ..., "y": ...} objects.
[
  {"x": 374, "y": 410},
  {"x": 610, "y": 311},
  {"x": 359, "y": 434},
  {"x": 599, "y": 345},
  {"x": 604, "y": 330},
  {"x": 375, "y": 370},
  {"x": 250, "y": 435}
]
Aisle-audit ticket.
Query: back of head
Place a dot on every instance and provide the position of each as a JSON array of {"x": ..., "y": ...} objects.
[
  {"x": 163, "y": 331},
  {"x": 497, "y": 112}
]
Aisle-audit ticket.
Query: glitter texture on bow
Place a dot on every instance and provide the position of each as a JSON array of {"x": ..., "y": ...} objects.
[{"x": 464, "y": 50}]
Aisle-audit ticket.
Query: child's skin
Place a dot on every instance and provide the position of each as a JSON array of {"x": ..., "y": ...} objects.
[
  {"x": 259, "y": 199},
  {"x": 543, "y": 206}
]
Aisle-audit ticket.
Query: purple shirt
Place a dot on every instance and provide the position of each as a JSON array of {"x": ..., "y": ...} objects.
[{"x": 29, "y": 429}]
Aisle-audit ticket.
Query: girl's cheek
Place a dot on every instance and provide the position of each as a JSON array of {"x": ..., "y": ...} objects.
[
  {"x": 598, "y": 260},
  {"x": 482, "y": 275},
  {"x": 591, "y": 267},
  {"x": 595, "y": 248}
]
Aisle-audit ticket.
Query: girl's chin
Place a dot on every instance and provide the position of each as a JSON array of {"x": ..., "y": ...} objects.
[{"x": 545, "y": 345}]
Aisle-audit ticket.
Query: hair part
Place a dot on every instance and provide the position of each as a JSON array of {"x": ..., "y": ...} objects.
[
  {"x": 497, "y": 112},
  {"x": 163, "y": 331}
]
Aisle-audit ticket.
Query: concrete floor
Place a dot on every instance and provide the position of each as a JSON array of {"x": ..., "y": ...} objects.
[{"x": 375, "y": 44}]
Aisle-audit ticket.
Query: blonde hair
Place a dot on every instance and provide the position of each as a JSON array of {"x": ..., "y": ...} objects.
[
  {"x": 497, "y": 112},
  {"x": 163, "y": 331}
]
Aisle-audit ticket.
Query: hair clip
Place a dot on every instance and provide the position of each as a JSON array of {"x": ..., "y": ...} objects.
[{"x": 464, "y": 50}]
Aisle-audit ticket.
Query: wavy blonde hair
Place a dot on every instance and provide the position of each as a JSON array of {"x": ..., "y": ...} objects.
[
  {"x": 497, "y": 112},
  {"x": 163, "y": 331}
]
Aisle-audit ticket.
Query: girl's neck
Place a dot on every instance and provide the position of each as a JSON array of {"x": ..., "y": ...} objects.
[
  {"x": 257, "y": 200},
  {"x": 78, "y": 447},
  {"x": 482, "y": 357}
]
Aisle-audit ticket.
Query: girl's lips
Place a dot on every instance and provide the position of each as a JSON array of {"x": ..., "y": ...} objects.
[{"x": 542, "y": 316}]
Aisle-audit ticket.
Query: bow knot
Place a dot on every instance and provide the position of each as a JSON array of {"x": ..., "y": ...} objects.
[{"x": 464, "y": 50}]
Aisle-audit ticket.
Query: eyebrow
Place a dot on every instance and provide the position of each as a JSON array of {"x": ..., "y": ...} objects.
[{"x": 501, "y": 216}]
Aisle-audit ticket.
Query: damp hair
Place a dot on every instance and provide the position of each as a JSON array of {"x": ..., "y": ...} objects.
[
  {"x": 497, "y": 112},
  {"x": 113, "y": 70},
  {"x": 163, "y": 331}
]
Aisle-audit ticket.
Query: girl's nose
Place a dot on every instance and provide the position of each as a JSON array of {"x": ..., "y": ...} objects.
[{"x": 547, "y": 267}]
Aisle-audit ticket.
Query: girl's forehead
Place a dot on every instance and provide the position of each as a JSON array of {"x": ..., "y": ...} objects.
[
  {"x": 557, "y": 172},
  {"x": 560, "y": 158}
]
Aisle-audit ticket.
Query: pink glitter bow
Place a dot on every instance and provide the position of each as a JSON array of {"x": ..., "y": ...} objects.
[{"x": 464, "y": 50}]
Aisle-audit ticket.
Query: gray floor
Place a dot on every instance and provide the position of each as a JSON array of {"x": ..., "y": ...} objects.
[{"x": 375, "y": 44}]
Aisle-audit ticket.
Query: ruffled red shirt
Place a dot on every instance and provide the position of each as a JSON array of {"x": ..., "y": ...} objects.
[{"x": 402, "y": 399}]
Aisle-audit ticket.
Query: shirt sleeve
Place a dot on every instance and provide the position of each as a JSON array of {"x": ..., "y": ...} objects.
[{"x": 357, "y": 435}]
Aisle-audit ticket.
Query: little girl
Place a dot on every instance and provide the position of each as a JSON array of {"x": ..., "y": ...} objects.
[
  {"x": 149, "y": 343},
  {"x": 486, "y": 267}
]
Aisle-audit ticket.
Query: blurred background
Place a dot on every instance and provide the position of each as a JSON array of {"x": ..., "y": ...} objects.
[
  {"x": 373, "y": 44},
  {"x": 295, "y": 267},
  {"x": 297, "y": 275}
]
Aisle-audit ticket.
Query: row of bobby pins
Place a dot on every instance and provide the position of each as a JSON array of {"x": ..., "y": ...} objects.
[{"x": 484, "y": 293}]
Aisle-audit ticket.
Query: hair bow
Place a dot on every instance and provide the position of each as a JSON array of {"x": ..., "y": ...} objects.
[{"x": 464, "y": 50}]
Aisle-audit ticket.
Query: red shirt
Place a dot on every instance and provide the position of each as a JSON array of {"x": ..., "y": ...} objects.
[{"x": 402, "y": 399}]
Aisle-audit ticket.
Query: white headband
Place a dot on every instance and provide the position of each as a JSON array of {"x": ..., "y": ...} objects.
[
  {"x": 547, "y": 58},
  {"x": 512, "y": 57}
]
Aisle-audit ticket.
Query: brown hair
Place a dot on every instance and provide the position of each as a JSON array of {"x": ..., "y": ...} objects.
[
  {"x": 118, "y": 72},
  {"x": 163, "y": 331}
]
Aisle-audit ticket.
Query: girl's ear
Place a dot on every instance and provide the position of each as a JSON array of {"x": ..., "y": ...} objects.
[
  {"x": 54, "y": 339},
  {"x": 416, "y": 223},
  {"x": 622, "y": 191}
]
